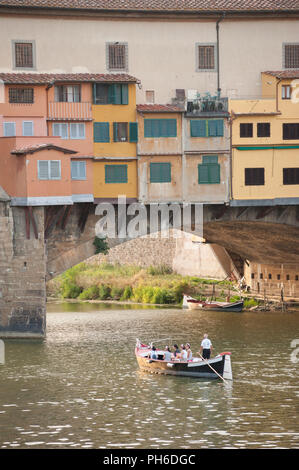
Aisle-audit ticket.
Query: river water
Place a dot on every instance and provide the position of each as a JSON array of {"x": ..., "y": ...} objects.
[{"x": 81, "y": 386}]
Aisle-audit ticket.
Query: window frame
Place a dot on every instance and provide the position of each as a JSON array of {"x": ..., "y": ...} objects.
[
  {"x": 59, "y": 135},
  {"x": 117, "y": 126},
  {"x": 206, "y": 44},
  {"x": 77, "y": 163},
  {"x": 242, "y": 124},
  {"x": 291, "y": 126},
  {"x": 158, "y": 131},
  {"x": 126, "y": 57},
  {"x": 14, "y": 59},
  {"x": 210, "y": 162},
  {"x": 18, "y": 91},
  {"x": 249, "y": 178},
  {"x": 285, "y": 176},
  {"x": 284, "y": 95},
  {"x": 49, "y": 170},
  {"x": 61, "y": 92},
  {"x": 261, "y": 125},
  {"x": 284, "y": 55},
  {"x": 166, "y": 178},
  {"x": 77, "y": 124},
  {"x": 23, "y": 128},
  {"x": 4, "y": 125},
  {"x": 118, "y": 165}
]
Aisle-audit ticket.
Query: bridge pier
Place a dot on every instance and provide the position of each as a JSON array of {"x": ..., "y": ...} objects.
[{"x": 22, "y": 272}]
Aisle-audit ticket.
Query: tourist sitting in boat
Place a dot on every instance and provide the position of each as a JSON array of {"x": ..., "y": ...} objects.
[
  {"x": 153, "y": 354},
  {"x": 176, "y": 352},
  {"x": 184, "y": 354},
  {"x": 167, "y": 354},
  {"x": 189, "y": 352}
]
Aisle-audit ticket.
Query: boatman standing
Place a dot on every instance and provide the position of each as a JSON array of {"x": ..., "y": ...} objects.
[{"x": 206, "y": 347}]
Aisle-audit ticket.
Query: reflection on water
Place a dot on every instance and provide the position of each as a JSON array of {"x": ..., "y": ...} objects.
[{"x": 81, "y": 386}]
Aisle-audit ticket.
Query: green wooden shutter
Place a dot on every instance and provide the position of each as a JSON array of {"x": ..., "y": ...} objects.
[
  {"x": 212, "y": 128},
  {"x": 171, "y": 128},
  {"x": 124, "y": 94},
  {"x": 133, "y": 131},
  {"x": 147, "y": 128},
  {"x": 116, "y": 173},
  {"x": 118, "y": 93},
  {"x": 219, "y": 125},
  {"x": 160, "y": 172},
  {"x": 198, "y": 128},
  {"x": 115, "y": 133},
  {"x": 101, "y": 132},
  {"x": 203, "y": 174},
  {"x": 214, "y": 173},
  {"x": 111, "y": 94}
]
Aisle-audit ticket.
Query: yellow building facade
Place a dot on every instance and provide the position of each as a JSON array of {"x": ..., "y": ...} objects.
[
  {"x": 265, "y": 143},
  {"x": 115, "y": 136}
]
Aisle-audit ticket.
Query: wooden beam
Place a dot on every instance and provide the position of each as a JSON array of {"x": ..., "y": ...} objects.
[
  {"x": 52, "y": 222},
  {"x": 66, "y": 216},
  {"x": 263, "y": 211},
  {"x": 84, "y": 213}
]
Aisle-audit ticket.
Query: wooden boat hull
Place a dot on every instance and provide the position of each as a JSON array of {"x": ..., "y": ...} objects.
[
  {"x": 197, "y": 369},
  {"x": 194, "y": 304}
]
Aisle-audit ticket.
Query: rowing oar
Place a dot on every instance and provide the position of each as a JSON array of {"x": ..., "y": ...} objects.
[{"x": 211, "y": 367}]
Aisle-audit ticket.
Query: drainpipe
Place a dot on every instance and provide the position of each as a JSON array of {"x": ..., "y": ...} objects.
[{"x": 218, "y": 55}]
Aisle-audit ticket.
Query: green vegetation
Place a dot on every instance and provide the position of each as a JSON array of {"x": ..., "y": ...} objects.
[
  {"x": 153, "y": 285},
  {"x": 101, "y": 245}
]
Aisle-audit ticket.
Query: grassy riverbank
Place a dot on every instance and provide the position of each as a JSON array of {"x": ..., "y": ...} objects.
[{"x": 153, "y": 285}]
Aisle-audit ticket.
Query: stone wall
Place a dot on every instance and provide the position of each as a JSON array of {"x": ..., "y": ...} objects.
[
  {"x": 22, "y": 274},
  {"x": 144, "y": 251}
]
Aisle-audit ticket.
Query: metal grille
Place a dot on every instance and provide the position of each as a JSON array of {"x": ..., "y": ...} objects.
[
  {"x": 24, "y": 54},
  {"x": 21, "y": 95},
  {"x": 246, "y": 129},
  {"x": 291, "y": 59},
  {"x": 206, "y": 58},
  {"x": 117, "y": 57}
]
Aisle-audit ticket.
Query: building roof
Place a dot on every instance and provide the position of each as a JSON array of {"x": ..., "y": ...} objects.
[
  {"x": 39, "y": 147},
  {"x": 159, "y": 108},
  {"x": 292, "y": 73},
  {"x": 191, "y": 6},
  {"x": 48, "y": 78}
]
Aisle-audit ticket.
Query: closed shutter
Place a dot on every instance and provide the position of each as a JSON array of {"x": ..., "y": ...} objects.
[
  {"x": 209, "y": 170},
  {"x": 203, "y": 174},
  {"x": 219, "y": 125},
  {"x": 54, "y": 169},
  {"x": 101, "y": 132},
  {"x": 9, "y": 129},
  {"x": 198, "y": 128},
  {"x": 212, "y": 128},
  {"x": 171, "y": 128},
  {"x": 27, "y": 128},
  {"x": 124, "y": 94},
  {"x": 148, "y": 132},
  {"x": 133, "y": 131},
  {"x": 160, "y": 128},
  {"x": 160, "y": 172},
  {"x": 43, "y": 169},
  {"x": 116, "y": 173},
  {"x": 78, "y": 170},
  {"x": 115, "y": 132}
]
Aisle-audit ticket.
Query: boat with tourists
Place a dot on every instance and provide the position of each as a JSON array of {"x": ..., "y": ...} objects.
[
  {"x": 194, "y": 304},
  {"x": 198, "y": 367}
]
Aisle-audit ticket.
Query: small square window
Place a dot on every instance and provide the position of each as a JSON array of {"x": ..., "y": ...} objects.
[
  {"x": 116, "y": 173},
  {"x": 150, "y": 96},
  {"x": 278, "y": 277},
  {"x": 21, "y": 95},
  {"x": 254, "y": 176},
  {"x": 205, "y": 57},
  {"x": 269, "y": 276},
  {"x": 23, "y": 54},
  {"x": 28, "y": 128},
  {"x": 78, "y": 170},
  {"x": 246, "y": 129},
  {"x": 286, "y": 92},
  {"x": 117, "y": 56},
  {"x": 291, "y": 56},
  {"x": 160, "y": 172},
  {"x": 120, "y": 131},
  {"x": 9, "y": 129},
  {"x": 263, "y": 129}
]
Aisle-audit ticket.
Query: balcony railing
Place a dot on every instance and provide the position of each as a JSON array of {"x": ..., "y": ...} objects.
[
  {"x": 70, "y": 111},
  {"x": 207, "y": 104}
]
